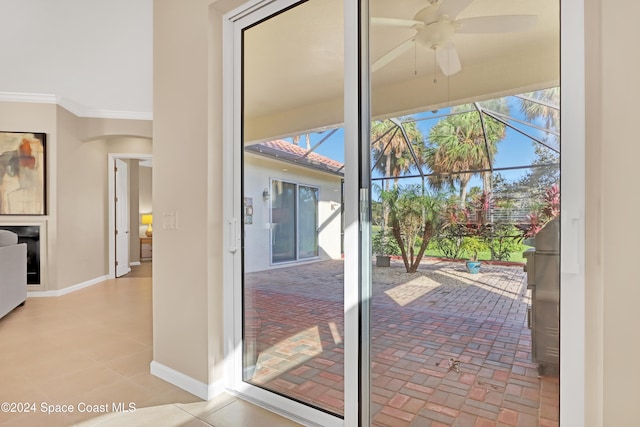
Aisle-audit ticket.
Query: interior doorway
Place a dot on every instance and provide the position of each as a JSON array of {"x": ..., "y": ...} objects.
[{"x": 132, "y": 230}]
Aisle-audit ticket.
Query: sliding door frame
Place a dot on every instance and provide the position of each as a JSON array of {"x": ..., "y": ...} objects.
[
  {"x": 357, "y": 208},
  {"x": 234, "y": 24}
]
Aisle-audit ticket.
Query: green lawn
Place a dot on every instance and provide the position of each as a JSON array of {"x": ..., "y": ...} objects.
[
  {"x": 482, "y": 256},
  {"x": 485, "y": 256}
]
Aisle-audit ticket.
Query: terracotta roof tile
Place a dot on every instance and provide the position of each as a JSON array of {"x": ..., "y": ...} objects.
[{"x": 292, "y": 152}]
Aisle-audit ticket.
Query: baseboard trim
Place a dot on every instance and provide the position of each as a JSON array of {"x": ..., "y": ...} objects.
[
  {"x": 67, "y": 290},
  {"x": 185, "y": 382},
  {"x": 134, "y": 263}
]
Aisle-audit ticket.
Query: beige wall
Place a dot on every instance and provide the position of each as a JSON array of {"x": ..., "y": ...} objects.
[
  {"x": 613, "y": 286},
  {"x": 31, "y": 117},
  {"x": 81, "y": 171},
  {"x": 75, "y": 227},
  {"x": 145, "y": 203},
  {"x": 139, "y": 203},
  {"x": 187, "y": 291},
  {"x": 82, "y": 247},
  {"x": 146, "y": 189},
  {"x": 134, "y": 208}
]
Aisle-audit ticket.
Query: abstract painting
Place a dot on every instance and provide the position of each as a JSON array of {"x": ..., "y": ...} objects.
[{"x": 22, "y": 173}]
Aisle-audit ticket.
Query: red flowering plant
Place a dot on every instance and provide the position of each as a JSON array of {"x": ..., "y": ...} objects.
[
  {"x": 550, "y": 209},
  {"x": 461, "y": 223}
]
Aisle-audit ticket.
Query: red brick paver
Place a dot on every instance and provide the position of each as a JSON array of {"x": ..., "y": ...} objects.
[{"x": 448, "y": 348}]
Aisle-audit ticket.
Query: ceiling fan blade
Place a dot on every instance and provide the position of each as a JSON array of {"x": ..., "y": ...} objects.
[
  {"x": 393, "y": 54},
  {"x": 452, "y": 8},
  {"x": 448, "y": 60},
  {"x": 497, "y": 24},
  {"x": 394, "y": 22}
]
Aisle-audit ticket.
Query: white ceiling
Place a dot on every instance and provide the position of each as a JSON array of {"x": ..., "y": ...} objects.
[{"x": 94, "y": 57}]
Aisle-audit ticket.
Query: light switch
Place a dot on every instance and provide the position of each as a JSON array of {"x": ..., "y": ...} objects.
[{"x": 170, "y": 220}]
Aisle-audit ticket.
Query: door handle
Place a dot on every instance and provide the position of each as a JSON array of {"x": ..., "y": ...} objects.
[{"x": 233, "y": 247}]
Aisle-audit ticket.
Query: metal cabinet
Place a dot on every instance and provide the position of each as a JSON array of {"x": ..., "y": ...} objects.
[{"x": 543, "y": 278}]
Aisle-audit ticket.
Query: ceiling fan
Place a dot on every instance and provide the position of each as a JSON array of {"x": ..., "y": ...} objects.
[{"x": 436, "y": 25}]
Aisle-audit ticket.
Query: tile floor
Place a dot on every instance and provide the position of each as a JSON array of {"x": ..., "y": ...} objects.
[{"x": 93, "y": 346}]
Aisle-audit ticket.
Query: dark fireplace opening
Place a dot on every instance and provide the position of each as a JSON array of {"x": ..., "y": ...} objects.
[{"x": 29, "y": 234}]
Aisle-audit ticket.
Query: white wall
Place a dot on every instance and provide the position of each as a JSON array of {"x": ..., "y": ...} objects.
[{"x": 258, "y": 174}]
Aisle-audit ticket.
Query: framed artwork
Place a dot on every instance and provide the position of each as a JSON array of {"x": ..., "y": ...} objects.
[{"x": 22, "y": 173}]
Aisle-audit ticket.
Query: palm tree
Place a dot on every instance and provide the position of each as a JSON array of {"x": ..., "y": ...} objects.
[
  {"x": 543, "y": 104},
  {"x": 461, "y": 144},
  {"x": 391, "y": 152},
  {"x": 413, "y": 218}
]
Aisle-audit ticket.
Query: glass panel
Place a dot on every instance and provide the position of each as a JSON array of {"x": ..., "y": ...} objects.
[
  {"x": 292, "y": 172},
  {"x": 308, "y": 221},
  {"x": 283, "y": 221},
  {"x": 465, "y": 193}
]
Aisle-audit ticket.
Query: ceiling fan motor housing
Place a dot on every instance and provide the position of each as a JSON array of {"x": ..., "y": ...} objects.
[{"x": 436, "y": 34}]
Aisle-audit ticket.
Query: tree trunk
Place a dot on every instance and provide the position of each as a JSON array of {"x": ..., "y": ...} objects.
[
  {"x": 426, "y": 237},
  {"x": 395, "y": 230},
  {"x": 410, "y": 264},
  {"x": 464, "y": 182}
]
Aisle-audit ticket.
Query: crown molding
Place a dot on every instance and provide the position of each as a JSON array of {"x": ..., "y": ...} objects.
[
  {"x": 110, "y": 114},
  {"x": 75, "y": 108},
  {"x": 38, "y": 98}
]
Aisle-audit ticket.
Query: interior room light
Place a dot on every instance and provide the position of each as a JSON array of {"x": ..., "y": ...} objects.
[{"x": 147, "y": 219}]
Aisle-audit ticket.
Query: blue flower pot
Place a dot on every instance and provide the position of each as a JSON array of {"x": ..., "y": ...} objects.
[{"x": 473, "y": 267}]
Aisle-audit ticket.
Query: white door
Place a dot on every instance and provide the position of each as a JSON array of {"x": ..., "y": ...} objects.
[{"x": 122, "y": 219}]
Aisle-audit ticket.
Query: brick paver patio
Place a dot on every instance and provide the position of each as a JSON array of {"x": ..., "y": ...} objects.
[{"x": 448, "y": 348}]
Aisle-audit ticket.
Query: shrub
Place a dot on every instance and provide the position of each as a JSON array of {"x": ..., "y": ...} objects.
[
  {"x": 384, "y": 244},
  {"x": 472, "y": 245},
  {"x": 502, "y": 241},
  {"x": 448, "y": 244}
]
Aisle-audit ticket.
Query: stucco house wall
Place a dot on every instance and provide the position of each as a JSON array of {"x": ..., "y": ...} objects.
[{"x": 257, "y": 235}]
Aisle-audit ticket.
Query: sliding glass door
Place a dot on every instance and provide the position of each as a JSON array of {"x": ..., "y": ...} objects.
[
  {"x": 292, "y": 161},
  {"x": 379, "y": 146},
  {"x": 294, "y": 221},
  {"x": 283, "y": 221},
  {"x": 465, "y": 164}
]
